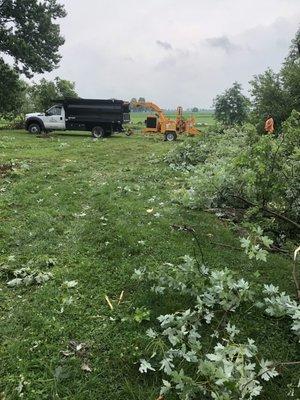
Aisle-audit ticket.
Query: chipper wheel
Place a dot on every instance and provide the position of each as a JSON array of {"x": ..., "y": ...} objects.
[{"x": 170, "y": 136}]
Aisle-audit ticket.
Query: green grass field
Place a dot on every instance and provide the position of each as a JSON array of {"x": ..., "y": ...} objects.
[
  {"x": 78, "y": 208},
  {"x": 201, "y": 117}
]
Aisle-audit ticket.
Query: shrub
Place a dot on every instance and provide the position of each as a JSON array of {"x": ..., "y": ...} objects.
[
  {"x": 198, "y": 352},
  {"x": 13, "y": 122},
  {"x": 241, "y": 168}
]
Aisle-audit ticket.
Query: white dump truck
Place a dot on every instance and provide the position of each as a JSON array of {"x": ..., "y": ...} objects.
[{"x": 100, "y": 117}]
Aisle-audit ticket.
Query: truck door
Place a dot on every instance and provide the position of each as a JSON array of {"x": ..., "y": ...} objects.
[{"x": 55, "y": 118}]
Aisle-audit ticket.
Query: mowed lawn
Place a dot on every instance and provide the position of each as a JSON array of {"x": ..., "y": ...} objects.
[
  {"x": 201, "y": 117},
  {"x": 91, "y": 212}
]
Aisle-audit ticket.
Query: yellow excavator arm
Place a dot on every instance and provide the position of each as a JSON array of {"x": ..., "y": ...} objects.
[
  {"x": 149, "y": 105},
  {"x": 163, "y": 122},
  {"x": 153, "y": 107}
]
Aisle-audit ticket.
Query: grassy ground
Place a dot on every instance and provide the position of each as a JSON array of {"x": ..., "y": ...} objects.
[{"x": 82, "y": 204}]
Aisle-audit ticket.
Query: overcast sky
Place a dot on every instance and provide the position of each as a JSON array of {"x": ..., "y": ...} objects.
[{"x": 172, "y": 52}]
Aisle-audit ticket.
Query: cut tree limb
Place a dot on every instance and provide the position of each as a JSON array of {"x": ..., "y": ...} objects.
[{"x": 267, "y": 210}]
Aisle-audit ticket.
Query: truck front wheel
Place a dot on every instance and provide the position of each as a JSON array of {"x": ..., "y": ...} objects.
[
  {"x": 35, "y": 129},
  {"x": 98, "y": 132}
]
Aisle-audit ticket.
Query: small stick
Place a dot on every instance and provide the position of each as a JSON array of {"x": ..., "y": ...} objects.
[
  {"x": 108, "y": 302},
  {"x": 121, "y": 297}
]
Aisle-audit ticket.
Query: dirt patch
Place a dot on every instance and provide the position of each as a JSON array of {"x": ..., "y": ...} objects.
[{"x": 5, "y": 169}]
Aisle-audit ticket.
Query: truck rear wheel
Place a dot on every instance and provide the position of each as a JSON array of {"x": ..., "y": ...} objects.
[
  {"x": 35, "y": 129},
  {"x": 170, "y": 136},
  {"x": 98, "y": 132}
]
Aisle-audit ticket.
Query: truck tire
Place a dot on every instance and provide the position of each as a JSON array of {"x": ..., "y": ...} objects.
[
  {"x": 34, "y": 129},
  {"x": 98, "y": 132},
  {"x": 170, "y": 136}
]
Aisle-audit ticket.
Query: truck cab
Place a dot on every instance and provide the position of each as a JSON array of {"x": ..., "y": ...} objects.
[
  {"x": 52, "y": 119},
  {"x": 55, "y": 118}
]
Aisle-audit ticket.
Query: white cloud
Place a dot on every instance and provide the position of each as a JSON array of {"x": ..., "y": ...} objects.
[{"x": 171, "y": 52}]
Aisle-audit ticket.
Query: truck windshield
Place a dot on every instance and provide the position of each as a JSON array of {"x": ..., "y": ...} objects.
[{"x": 55, "y": 110}]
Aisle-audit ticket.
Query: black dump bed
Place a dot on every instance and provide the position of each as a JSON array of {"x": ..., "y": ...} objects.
[{"x": 93, "y": 111}]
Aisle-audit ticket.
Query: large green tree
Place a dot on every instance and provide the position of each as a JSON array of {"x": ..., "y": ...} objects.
[
  {"x": 277, "y": 93},
  {"x": 29, "y": 43},
  {"x": 29, "y": 34},
  {"x": 269, "y": 97},
  {"x": 43, "y": 93},
  {"x": 231, "y": 107},
  {"x": 290, "y": 73},
  {"x": 12, "y": 90}
]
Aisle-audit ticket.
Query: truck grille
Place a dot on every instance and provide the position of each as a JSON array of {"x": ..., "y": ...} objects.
[{"x": 126, "y": 117}]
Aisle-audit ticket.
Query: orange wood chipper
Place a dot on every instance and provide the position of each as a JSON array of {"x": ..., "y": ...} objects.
[{"x": 170, "y": 128}]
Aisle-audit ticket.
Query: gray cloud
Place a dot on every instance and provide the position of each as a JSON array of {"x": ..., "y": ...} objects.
[
  {"x": 128, "y": 59},
  {"x": 185, "y": 61},
  {"x": 222, "y": 42},
  {"x": 164, "y": 45}
]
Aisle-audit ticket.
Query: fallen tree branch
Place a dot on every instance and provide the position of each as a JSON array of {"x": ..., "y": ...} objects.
[
  {"x": 275, "y": 249},
  {"x": 267, "y": 210},
  {"x": 191, "y": 230}
]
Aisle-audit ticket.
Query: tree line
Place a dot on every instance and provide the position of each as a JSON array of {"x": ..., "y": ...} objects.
[{"x": 35, "y": 97}]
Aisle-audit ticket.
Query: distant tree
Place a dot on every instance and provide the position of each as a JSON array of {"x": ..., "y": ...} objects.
[
  {"x": 133, "y": 102},
  {"x": 65, "y": 88},
  {"x": 195, "y": 109},
  {"x": 29, "y": 34},
  {"x": 232, "y": 106},
  {"x": 43, "y": 93},
  {"x": 141, "y": 100}
]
